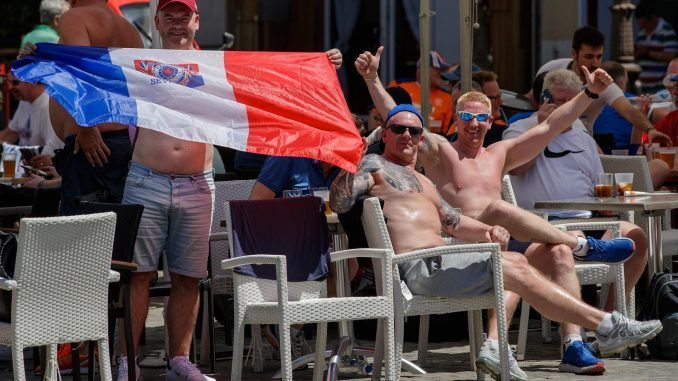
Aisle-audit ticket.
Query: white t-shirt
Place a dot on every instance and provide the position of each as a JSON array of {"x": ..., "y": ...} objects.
[
  {"x": 42, "y": 133},
  {"x": 19, "y": 122},
  {"x": 611, "y": 94},
  {"x": 569, "y": 171}
]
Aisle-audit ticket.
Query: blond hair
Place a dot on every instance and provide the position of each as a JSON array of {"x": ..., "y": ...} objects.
[{"x": 473, "y": 96}]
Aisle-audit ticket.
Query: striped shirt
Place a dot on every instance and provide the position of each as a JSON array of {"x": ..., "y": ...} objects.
[{"x": 662, "y": 39}]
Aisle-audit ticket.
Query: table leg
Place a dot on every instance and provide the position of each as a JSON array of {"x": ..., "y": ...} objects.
[
  {"x": 654, "y": 243},
  {"x": 658, "y": 258}
]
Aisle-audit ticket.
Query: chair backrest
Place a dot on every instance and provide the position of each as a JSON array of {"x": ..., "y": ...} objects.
[
  {"x": 636, "y": 164},
  {"x": 62, "y": 272},
  {"x": 295, "y": 227},
  {"x": 507, "y": 193},
  {"x": 46, "y": 202},
  {"x": 126, "y": 225},
  {"x": 374, "y": 224}
]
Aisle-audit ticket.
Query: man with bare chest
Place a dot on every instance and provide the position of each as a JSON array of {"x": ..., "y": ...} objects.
[
  {"x": 416, "y": 214},
  {"x": 94, "y": 159}
]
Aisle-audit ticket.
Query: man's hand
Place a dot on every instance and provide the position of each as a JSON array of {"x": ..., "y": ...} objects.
[
  {"x": 27, "y": 50},
  {"x": 498, "y": 235},
  {"x": 545, "y": 110},
  {"x": 367, "y": 64},
  {"x": 597, "y": 81},
  {"x": 40, "y": 161},
  {"x": 89, "y": 141},
  {"x": 335, "y": 57},
  {"x": 34, "y": 182},
  {"x": 654, "y": 135}
]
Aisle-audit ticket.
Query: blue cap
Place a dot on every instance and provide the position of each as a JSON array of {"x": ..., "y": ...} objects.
[{"x": 403, "y": 107}]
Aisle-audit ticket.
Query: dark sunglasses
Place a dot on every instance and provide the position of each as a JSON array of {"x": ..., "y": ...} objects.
[
  {"x": 14, "y": 82},
  {"x": 400, "y": 129},
  {"x": 468, "y": 116}
]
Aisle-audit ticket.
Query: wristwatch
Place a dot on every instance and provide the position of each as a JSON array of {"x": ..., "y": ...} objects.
[{"x": 590, "y": 94}]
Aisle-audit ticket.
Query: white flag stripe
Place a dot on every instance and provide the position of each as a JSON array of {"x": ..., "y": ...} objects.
[{"x": 208, "y": 112}]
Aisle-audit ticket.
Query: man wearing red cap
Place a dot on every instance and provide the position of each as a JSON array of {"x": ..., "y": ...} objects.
[{"x": 173, "y": 179}]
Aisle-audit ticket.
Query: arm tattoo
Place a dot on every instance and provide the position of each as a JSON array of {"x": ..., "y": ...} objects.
[
  {"x": 450, "y": 217},
  {"x": 347, "y": 187}
]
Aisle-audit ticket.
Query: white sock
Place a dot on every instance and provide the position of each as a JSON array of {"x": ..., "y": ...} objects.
[
  {"x": 174, "y": 361},
  {"x": 582, "y": 247},
  {"x": 569, "y": 339},
  {"x": 605, "y": 326}
]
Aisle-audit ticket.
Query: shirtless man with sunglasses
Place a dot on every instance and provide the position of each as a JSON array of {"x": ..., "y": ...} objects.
[{"x": 469, "y": 176}]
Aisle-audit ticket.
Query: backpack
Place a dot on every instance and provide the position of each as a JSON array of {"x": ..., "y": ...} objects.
[
  {"x": 8, "y": 247},
  {"x": 662, "y": 304}
]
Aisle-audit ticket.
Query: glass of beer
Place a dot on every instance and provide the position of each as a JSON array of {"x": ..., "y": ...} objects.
[
  {"x": 603, "y": 187},
  {"x": 323, "y": 193},
  {"x": 668, "y": 155},
  {"x": 9, "y": 164},
  {"x": 624, "y": 182}
]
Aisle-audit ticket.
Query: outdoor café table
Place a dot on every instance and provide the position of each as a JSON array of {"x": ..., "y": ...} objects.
[{"x": 651, "y": 207}]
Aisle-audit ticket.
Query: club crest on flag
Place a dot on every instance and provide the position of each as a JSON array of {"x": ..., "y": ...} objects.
[{"x": 182, "y": 74}]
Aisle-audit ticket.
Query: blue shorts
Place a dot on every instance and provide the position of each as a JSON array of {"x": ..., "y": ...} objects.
[{"x": 177, "y": 219}]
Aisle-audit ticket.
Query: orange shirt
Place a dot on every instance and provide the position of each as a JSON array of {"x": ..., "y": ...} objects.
[{"x": 441, "y": 103}]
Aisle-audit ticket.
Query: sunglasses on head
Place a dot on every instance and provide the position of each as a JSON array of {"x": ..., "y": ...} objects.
[
  {"x": 468, "y": 116},
  {"x": 400, "y": 129}
]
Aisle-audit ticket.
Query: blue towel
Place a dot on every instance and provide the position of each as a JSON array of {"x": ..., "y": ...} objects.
[{"x": 293, "y": 227}]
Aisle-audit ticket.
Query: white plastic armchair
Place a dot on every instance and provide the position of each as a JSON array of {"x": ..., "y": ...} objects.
[
  {"x": 423, "y": 306},
  {"x": 264, "y": 301},
  {"x": 221, "y": 282},
  {"x": 587, "y": 273},
  {"x": 60, "y": 288}
]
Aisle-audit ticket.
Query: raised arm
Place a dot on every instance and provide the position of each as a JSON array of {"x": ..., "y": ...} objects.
[
  {"x": 639, "y": 121},
  {"x": 525, "y": 147},
  {"x": 469, "y": 229},
  {"x": 367, "y": 65},
  {"x": 347, "y": 187}
]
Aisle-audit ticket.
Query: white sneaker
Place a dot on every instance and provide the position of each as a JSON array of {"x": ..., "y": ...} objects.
[
  {"x": 488, "y": 361},
  {"x": 627, "y": 333},
  {"x": 123, "y": 370},
  {"x": 185, "y": 371}
]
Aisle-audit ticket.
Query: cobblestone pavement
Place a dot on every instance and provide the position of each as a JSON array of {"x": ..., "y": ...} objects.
[{"x": 446, "y": 361}]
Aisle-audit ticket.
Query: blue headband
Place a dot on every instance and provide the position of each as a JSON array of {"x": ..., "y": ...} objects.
[{"x": 401, "y": 108}]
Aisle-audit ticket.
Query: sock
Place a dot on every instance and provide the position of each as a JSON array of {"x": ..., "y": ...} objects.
[
  {"x": 582, "y": 247},
  {"x": 569, "y": 339},
  {"x": 176, "y": 360},
  {"x": 605, "y": 326}
]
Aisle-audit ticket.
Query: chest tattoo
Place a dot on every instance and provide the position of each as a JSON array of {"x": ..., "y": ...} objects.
[{"x": 401, "y": 178}]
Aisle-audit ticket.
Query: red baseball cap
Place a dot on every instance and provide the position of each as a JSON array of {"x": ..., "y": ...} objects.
[{"x": 192, "y": 4}]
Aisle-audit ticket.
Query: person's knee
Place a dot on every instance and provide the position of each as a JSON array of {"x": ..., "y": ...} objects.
[
  {"x": 498, "y": 208},
  {"x": 142, "y": 279},
  {"x": 562, "y": 259},
  {"x": 517, "y": 272},
  {"x": 183, "y": 282}
]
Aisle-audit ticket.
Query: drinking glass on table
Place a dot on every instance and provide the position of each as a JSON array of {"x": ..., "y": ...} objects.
[
  {"x": 323, "y": 193},
  {"x": 603, "y": 187},
  {"x": 667, "y": 155},
  {"x": 293, "y": 193},
  {"x": 624, "y": 182},
  {"x": 9, "y": 164}
]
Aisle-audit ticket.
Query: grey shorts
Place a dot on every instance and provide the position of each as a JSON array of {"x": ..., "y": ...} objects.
[
  {"x": 452, "y": 276},
  {"x": 177, "y": 219}
]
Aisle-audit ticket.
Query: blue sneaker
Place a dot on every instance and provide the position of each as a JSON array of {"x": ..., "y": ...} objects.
[
  {"x": 616, "y": 250},
  {"x": 579, "y": 359}
]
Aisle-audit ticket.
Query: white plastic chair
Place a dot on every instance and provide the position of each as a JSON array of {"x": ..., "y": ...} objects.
[
  {"x": 221, "y": 283},
  {"x": 263, "y": 301},
  {"x": 587, "y": 273},
  {"x": 60, "y": 288},
  {"x": 378, "y": 237}
]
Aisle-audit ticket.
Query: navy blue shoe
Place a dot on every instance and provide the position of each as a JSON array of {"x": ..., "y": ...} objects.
[
  {"x": 616, "y": 250},
  {"x": 578, "y": 359}
]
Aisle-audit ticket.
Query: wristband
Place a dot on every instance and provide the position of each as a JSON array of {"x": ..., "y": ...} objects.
[
  {"x": 590, "y": 94},
  {"x": 40, "y": 184}
]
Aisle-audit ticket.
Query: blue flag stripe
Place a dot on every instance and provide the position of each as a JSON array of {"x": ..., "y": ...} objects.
[{"x": 69, "y": 73}]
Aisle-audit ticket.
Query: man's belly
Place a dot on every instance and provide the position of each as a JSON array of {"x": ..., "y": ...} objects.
[{"x": 168, "y": 155}]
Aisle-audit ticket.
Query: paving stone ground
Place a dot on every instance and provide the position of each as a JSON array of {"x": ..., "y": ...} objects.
[{"x": 446, "y": 361}]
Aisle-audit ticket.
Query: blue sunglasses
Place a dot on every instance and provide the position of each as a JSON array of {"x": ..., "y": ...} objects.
[{"x": 468, "y": 116}]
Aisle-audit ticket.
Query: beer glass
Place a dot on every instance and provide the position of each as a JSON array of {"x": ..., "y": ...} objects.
[
  {"x": 323, "y": 193},
  {"x": 9, "y": 164},
  {"x": 603, "y": 187}
]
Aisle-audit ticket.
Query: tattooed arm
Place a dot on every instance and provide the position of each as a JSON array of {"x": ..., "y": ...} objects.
[
  {"x": 347, "y": 187},
  {"x": 469, "y": 229}
]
